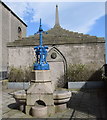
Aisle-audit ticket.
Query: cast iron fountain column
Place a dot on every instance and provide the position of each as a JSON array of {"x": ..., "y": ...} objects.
[{"x": 41, "y": 53}]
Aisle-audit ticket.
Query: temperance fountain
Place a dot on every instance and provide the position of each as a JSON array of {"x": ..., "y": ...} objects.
[{"x": 41, "y": 99}]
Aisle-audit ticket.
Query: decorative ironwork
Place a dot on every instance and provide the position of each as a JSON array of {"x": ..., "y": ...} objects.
[{"x": 41, "y": 53}]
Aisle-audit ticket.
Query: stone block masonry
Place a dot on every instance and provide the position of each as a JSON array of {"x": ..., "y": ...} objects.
[
  {"x": 9, "y": 23},
  {"x": 90, "y": 54}
]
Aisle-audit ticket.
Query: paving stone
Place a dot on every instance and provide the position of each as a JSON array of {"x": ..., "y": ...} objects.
[
  {"x": 20, "y": 114},
  {"x": 5, "y": 109},
  {"x": 59, "y": 116},
  {"x": 103, "y": 112},
  {"x": 54, "y": 116},
  {"x": 66, "y": 116},
  {"x": 5, "y": 101},
  {"x": 89, "y": 104},
  {"x": 81, "y": 115},
  {"x": 27, "y": 116},
  {"x": 91, "y": 116},
  {"x": 10, "y": 113},
  {"x": 69, "y": 112}
]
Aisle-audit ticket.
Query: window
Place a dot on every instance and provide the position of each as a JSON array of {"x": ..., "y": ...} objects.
[{"x": 19, "y": 32}]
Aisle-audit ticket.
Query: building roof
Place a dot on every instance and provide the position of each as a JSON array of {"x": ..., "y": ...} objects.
[
  {"x": 12, "y": 12},
  {"x": 57, "y": 36}
]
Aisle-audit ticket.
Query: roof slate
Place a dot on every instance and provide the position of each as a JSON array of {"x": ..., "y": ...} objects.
[{"x": 56, "y": 36}]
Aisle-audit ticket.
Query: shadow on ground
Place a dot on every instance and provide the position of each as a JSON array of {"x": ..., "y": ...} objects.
[
  {"x": 89, "y": 102},
  {"x": 13, "y": 106}
]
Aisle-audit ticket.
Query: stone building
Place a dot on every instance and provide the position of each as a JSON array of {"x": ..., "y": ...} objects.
[
  {"x": 65, "y": 47},
  {"x": 11, "y": 28}
]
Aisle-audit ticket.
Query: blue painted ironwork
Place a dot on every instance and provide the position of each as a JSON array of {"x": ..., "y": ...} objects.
[{"x": 41, "y": 53}]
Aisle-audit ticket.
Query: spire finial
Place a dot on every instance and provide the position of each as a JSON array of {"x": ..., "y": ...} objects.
[{"x": 57, "y": 17}]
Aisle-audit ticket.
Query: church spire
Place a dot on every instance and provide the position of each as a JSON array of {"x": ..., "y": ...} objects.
[{"x": 57, "y": 17}]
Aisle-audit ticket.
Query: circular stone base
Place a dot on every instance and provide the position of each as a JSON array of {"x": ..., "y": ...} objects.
[
  {"x": 61, "y": 94},
  {"x": 61, "y": 97},
  {"x": 61, "y": 101},
  {"x": 39, "y": 111},
  {"x": 61, "y": 107},
  {"x": 22, "y": 107}
]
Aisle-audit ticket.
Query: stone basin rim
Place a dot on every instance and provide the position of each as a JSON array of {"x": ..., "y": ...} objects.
[{"x": 57, "y": 95}]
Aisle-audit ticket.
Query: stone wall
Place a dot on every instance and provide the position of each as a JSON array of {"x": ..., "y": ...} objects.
[
  {"x": 5, "y": 36},
  {"x": 0, "y": 41},
  {"x": 21, "y": 56},
  {"x": 91, "y": 54},
  {"x": 9, "y": 24}
]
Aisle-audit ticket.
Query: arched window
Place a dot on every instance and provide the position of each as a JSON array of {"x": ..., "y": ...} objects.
[{"x": 19, "y": 32}]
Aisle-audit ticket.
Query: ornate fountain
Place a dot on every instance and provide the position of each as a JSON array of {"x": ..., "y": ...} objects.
[{"x": 41, "y": 100}]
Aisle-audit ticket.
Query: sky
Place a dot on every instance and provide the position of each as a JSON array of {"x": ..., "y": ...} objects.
[{"x": 83, "y": 17}]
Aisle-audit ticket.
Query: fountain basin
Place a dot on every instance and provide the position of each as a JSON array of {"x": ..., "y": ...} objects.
[
  {"x": 61, "y": 97},
  {"x": 61, "y": 94},
  {"x": 20, "y": 97}
]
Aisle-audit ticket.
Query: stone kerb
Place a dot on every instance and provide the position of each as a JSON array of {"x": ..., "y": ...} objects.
[{"x": 85, "y": 84}]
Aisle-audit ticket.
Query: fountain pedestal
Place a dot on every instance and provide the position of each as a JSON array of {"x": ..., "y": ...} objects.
[
  {"x": 39, "y": 100},
  {"x": 40, "y": 92}
]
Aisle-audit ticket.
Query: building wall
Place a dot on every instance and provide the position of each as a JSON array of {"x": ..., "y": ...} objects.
[
  {"x": 21, "y": 56},
  {"x": 15, "y": 23},
  {"x": 91, "y": 54},
  {"x": 0, "y": 41},
  {"x": 8, "y": 32},
  {"x": 5, "y": 36}
]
